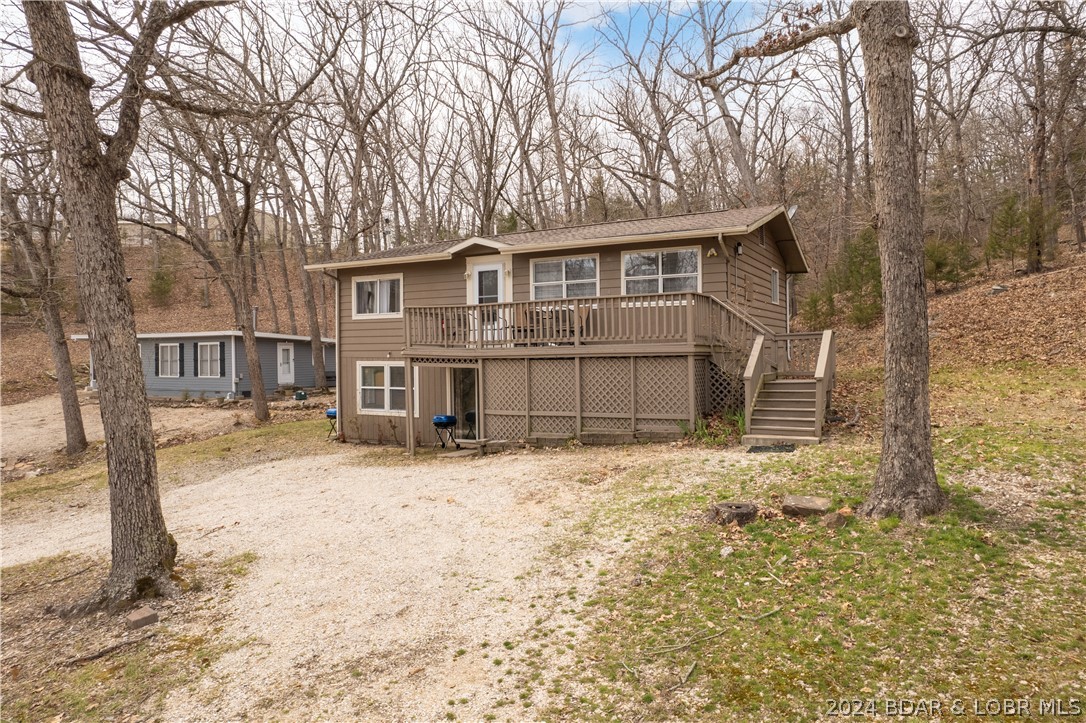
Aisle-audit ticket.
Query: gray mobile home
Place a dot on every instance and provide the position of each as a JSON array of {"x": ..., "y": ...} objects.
[{"x": 213, "y": 363}]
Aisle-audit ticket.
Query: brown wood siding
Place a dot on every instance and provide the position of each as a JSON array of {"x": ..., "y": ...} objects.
[
  {"x": 749, "y": 289},
  {"x": 442, "y": 283},
  {"x": 382, "y": 340}
]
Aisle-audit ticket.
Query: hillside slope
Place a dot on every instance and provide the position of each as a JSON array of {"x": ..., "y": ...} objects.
[{"x": 1040, "y": 318}]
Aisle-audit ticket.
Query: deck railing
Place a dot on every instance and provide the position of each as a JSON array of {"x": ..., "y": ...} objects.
[{"x": 603, "y": 320}]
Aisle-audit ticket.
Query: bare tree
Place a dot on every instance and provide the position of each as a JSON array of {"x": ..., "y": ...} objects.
[
  {"x": 30, "y": 197},
  {"x": 905, "y": 484},
  {"x": 91, "y": 163}
]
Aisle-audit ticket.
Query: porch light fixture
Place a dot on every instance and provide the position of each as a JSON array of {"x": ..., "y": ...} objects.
[
  {"x": 739, "y": 248},
  {"x": 711, "y": 253}
]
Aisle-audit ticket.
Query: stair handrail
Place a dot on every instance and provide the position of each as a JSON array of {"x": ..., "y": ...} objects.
[
  {"x": 740, "y": 314},
  {"x": 825, "y": 373},
  {"x": 753, "y": 377}
]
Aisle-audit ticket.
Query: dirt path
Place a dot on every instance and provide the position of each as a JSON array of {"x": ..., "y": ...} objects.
[
  {"x": 370, "y": 578},
  {"x": 35, "y": 429}
]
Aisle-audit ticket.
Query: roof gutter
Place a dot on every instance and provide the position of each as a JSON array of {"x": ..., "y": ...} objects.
[{"x": 443, "y": 256}]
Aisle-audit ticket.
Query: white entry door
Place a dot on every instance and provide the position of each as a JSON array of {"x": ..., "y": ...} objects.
[
  {"x": 488, "y": 287},
  {"x": 285, "y": 355}
]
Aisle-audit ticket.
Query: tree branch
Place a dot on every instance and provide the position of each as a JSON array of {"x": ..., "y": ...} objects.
[
  {"x": 771, "y": 45},
  {"x": 205, "y": 110},
  {"x": 134, "y": 93}
]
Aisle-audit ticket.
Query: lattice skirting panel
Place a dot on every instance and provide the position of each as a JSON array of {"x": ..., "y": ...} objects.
[
  {"x": 505, "y": 426},
  {"x": 553, "y": 386},
  {"x": 554, "y": 426},
  {"x": 503, "y": 383},
  {"x": 606, "y": 424},
  {"x": 538, "y": 397},
  {"x": 724, "y": 390},
  {"x": 605, "y": 386},
  {"x": 662, "y": 388}
]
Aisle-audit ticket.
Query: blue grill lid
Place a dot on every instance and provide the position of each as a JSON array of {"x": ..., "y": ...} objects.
[{"x": 445, "y": 420}]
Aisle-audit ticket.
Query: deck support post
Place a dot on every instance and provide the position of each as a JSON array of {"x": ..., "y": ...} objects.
[
  {"x": 691, "y": 392},
  {"x": 480, "y": 392},
  {"x": 577, "y": 394},
  {"x": 409, "y": 402}
]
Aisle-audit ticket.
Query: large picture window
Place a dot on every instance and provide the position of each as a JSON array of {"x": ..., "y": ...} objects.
[
  {"x": 208, "y": 359},
  {"x": 378, "y": 296},
  {"x": 382, "y": 389},
  {"x": 565, "y": 278},
  {"x": 169, "y": 360},
  {"x": 661, "y": 272}
]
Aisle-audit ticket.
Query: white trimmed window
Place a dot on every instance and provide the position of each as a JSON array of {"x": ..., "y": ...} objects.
[
  {"x": 169, "y": 360},
  {"x": 775, "y": 286},
  {"x": 570, "y": 278},
  {"x": 377, "y": 296},
  {"x": 208, "y": 364},
  {"x": 381, "y": 388},
  {"x": 661, "y": 272}
]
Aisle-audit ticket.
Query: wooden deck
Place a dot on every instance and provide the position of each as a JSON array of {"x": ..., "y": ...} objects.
[{"x": 606, "y": 325}]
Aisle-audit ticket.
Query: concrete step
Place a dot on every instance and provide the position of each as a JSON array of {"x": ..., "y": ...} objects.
[{"x": 760, "y": 439}]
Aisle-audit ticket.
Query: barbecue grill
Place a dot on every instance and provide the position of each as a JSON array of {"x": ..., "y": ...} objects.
[{"x": 444, "y": 424}]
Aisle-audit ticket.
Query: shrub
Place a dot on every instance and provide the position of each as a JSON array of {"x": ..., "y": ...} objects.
[
  {"x": 1008, "y": 232},
  {"x": 161, "y": 286},
  {"x": 856, "y": 277},
  {"x": 947, "y": 261}
]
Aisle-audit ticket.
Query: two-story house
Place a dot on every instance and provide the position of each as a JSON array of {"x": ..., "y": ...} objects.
[{"x": 606, "y": 332}]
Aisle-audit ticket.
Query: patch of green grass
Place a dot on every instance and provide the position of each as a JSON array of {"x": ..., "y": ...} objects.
[
  {"x": 238, "y": 565},
  {"x": 947, "y": 609},
  {"x": 303, "y": 438},
  {"x": 177, "y": 464},
  {"x": 1025, "y": 447}
]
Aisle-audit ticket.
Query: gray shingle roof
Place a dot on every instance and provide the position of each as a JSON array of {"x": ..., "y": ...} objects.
[{"x": 709, "y": 221}]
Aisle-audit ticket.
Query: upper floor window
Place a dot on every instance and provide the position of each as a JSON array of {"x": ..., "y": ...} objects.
[
  {"x": 775, "y": 286},
  {"x": 565, "y": 278},
  {"x": 661, "y": 272},
  {"x": 377, "y": 296}
]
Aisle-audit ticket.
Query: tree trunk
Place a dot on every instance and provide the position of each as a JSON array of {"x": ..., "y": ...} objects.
[
  {"x": 244, "y": 312},
  {"x": 905, "y": 484},
  {"x": 75, "y": 436},
  {"x": 848, "y": 140},
  {"x": 143, "y": 551},
  {"x": 43, "y": 271},
  {"x": 280, "y": 250},
  {"x": 735, "y": 145},
  {"x": 1037, "y": 166},
  {"x": 290, "y": 204}
]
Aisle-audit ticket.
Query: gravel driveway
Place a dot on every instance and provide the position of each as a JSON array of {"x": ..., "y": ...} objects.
[
  {"x": 34, "y": 429},
  {"x": 372, "y": 574}
]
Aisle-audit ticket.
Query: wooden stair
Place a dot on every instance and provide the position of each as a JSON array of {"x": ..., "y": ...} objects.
[{"x": 785, "y": 413}]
